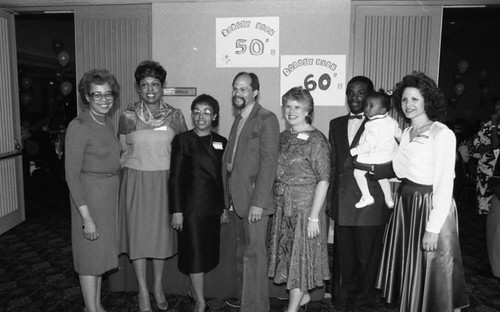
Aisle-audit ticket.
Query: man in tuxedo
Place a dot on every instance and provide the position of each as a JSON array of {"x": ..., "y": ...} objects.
[
  {"x": 359, "y": 232},
  {"x": 249, "y": 167}
]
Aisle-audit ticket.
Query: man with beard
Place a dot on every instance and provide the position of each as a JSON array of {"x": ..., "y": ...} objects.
[
  {"x": 359, "y": 232},
  {"x": 249, "y": 167}
]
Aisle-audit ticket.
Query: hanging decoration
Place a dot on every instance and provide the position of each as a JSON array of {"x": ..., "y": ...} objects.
[
  {"x": 66, "y": 87},
  {"x": 63, "y": 58}
]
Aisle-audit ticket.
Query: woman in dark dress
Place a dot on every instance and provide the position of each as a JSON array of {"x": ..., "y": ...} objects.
[
  {"x": 421, "y": 265},
  {"x": 92, "y": 162},
  {"x": 196, "y": 195}
]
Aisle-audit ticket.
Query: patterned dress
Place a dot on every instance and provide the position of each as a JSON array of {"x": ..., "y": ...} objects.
[
  {"x": 295, "y": 259},
  {"x": 485, "y": 166}
]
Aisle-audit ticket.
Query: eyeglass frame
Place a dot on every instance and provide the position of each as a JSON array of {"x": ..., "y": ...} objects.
[
  {"x": 196, "y": 113},
  {"x": 107, "y": 96}
]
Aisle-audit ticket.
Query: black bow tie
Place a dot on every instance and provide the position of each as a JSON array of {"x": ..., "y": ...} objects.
[{"x": 359, "y": 116}]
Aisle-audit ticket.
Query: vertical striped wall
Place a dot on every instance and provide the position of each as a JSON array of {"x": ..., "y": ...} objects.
[
  {"x": 9, "y": 174},
  {"x": 8, "y": 187},
  {"x": 391, "y": 42},
  {"x": 6, "y": 120},
  {"x": 394, "y": 46},
  {"x": 116, "y": 38}
]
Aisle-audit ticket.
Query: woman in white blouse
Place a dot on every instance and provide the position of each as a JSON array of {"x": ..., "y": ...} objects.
[{"x": 421, "y": 265}]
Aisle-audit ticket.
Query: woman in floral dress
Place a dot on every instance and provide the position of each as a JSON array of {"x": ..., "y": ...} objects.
[
  {"x": 298, "y": 252},
  {"x": 487, "y": 159}
]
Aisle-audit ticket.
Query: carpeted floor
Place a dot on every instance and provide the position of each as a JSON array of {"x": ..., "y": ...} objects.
[{"x": 36, "y": 271}]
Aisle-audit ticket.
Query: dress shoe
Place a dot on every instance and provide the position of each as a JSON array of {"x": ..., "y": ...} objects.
[
  {"x": 139, "y": 309},
  {"x": 162, "y": 305},
  {"x": 365, "y": 201},
  {"x": 233, "y": 302}
]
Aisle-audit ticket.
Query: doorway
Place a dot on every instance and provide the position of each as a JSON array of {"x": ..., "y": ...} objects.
[
  {"x": 469, "y": 63},
  {"x": 47, "y": 92}
]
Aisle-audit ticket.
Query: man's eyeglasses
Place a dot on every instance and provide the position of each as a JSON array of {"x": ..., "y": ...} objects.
[
  {"x": 97, "y": 96},
  {"x": 206, "y": 113}
]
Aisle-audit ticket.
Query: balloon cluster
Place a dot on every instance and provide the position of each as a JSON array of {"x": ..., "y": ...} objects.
[
  {"x": 459, "y": 87},
  {"x": 63, "y": 59}
]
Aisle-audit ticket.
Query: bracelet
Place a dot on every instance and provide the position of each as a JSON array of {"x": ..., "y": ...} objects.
[{"x": 312, "y": 220}]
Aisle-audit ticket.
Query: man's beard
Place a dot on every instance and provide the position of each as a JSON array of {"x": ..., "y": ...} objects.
[{"x": 240, "y": 107}]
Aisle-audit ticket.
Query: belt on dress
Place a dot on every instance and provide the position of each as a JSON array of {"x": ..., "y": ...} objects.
[{"x": 103, "y": 174}]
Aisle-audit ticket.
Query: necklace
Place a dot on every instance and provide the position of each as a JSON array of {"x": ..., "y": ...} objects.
[{"x": 95, "y": 119}]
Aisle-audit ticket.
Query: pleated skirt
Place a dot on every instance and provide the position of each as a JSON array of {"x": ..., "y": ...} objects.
[
  {"x": 144, "y": 219},
  {"x": 198, "y": 244},
  {"x": 421, "y": 281}
]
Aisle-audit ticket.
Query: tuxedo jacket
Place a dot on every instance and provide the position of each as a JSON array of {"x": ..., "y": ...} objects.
[
  {"x": 255, "y": 163},
  {"x": 343, "y": 191},
  {"x": 195, "y": 181}
]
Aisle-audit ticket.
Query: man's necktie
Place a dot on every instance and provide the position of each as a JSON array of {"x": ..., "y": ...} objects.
[
  {"x": 232, "y": 139},
  {"x": 359, "y": 116}
]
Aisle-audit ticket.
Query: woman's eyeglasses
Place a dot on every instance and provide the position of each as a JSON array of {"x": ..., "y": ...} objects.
[
  {"x": 206, "y": 113},
  {"x": 97, "y": 96}
]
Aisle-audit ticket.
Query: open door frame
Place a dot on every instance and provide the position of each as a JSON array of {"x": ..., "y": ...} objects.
[{"x": 12, "y": 210}]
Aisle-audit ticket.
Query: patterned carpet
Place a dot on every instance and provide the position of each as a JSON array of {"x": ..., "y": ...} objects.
[{"x": 36, "y": 271}]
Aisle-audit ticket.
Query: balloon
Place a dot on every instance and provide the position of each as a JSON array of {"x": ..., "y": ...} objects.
[
  {"x": 26, "y": 83},
  {"x": 462, "y": 66},
  {"x": 26, "y": 98},
  {"x": 57, "y": 45},
  {"x": 63, "y": 58},
  {"x": 459, "y": 89},
  {"x": 66, "y": 87}
]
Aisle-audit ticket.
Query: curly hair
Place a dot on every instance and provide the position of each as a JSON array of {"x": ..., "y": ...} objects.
[
  {"x": 434, "y": 100},
  {"x": 97, "y": 77},
  {"x": 209, "y": 101},
  {"x": 302, "y": 96},
  {"x": 150, "y": 69}
]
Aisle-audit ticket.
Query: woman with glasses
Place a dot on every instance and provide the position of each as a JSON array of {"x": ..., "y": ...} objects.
[
  {"x": 196, "y": 195},
  {"x": 92, "y": 163},
  {"x": 146, "y": 130}
]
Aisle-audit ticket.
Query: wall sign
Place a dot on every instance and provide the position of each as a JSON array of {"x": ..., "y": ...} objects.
[
  {"x": 179, "y": 91},
  {"x": 247, "y": 42},
  {"x": 323, "y": 75}
]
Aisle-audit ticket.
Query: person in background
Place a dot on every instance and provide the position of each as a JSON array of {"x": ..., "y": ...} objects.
[
  {"x": 298, "y": 254},
  {"x": 146, "y": 131},
  {"x": 359, "y": 232},
  {"x": 377, "y": 145},
  {"x": 92, "y": 164},
  {"x": 421, "y": 266},
  {"x": 197, "y": 195},
  {"x": 486, "y": 149},
  {"x": 248, "y": 169}
]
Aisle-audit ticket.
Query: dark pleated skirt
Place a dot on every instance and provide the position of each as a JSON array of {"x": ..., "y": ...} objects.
[
  {"x": 421, "y": 281},
  {"x": 198, "y": 244}
]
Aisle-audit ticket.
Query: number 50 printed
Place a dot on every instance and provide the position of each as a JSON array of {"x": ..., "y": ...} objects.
[{"x": 247, "y": 42}]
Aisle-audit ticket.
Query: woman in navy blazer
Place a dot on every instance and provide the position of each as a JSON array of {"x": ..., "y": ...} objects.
[{"x": 197, "y": 195}]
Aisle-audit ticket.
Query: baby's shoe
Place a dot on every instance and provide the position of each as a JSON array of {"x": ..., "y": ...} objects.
[{"x": 365, "y": 201}]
